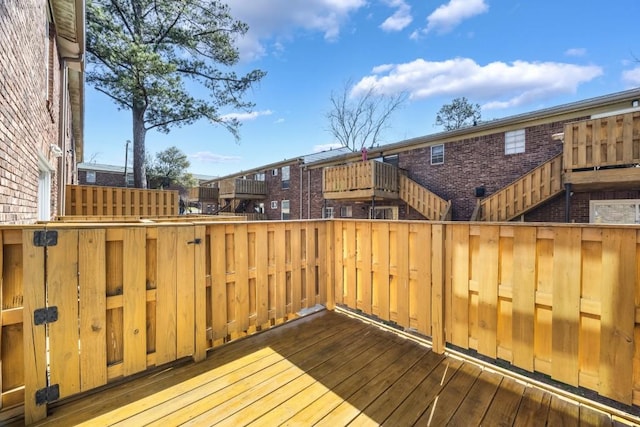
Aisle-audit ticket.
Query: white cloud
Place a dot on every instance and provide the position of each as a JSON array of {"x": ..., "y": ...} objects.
[
  {"x": 244, "y": 117},
  {"x": 632, "y": 77},
  {"x": 278, "y": 121},
  {"x": 576, "y": 51},
  {"x": 449, "y": 15},
  {"x": 326, "y": 147},
  {"x": 209, "y": 157},
  {"x": 400, "y": 19},
  {"x": 498, "y": 84},
  {"x": 271, "y": 21}
]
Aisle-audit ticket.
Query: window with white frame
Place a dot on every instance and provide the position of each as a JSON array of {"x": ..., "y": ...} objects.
[
  {"x": 260, "y": 176},
  {"x": 346, "y": 212},
  {"x": 285, "y": 177},
  {"x": 285, "y": 212},
  {"x": 514, "y": 142},
  {"x": 437, "y": 154},
  {"x": 274, "y": 172},
  {"x": 274, "y": 204},
  {"x": 91, "y": 177},
  {"x": 327, "y": 212}
]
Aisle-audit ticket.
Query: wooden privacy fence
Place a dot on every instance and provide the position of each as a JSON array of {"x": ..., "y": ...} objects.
[
  {"x": 86, "y": 200},
  {"x": 560, "y": 300}
]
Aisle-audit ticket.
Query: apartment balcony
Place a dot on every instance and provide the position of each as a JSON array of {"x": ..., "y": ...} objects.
[
  {"x": 361, "y": 181},
  {"x": 239, "y": 188},
  {"x": 603, "y": 153},
  {"x": 204, "y": 194}
]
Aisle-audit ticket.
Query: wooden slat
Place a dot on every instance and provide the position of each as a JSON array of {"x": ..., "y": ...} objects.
[
  {"x": 402, "y": 264},
  {"x": 166, "y": 304},
  {"x": 242, "y": 280},
  {"x": 185, "y": 291},
  {"x": 364, "y": 238},
  {"x": 92, "y": 303},
  {"x": 524, "y": 270},
  {"x": 350, "y": 264},
  {"x": 438, "y": 339},
  {"x": 488, "y": 292},
  {"x": 296, "y": 265},
  {"x": 338, "y": 264},
  {"x": 421, "y": 257},
  {"x": 62, "y": 288},
  {"x": 281, "y": 275},
  {"x": 381, "y": 246},
  {"x": 566, "y": 305},
  {"x": 217, "y": 240},
  {"x": 617, "y": 320},
  {"x": 460, "y": 285},
  {"x": 134, "y": 310},
  {"x": 262, "y": 279},
  {"x": 35, "y": 374},
  {"x": 200, "y": 294}
]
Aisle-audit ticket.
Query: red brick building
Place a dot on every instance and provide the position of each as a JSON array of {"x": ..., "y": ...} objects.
[
  {"x": 522, "y": 167},
  {"x": 41, "y": 105}
]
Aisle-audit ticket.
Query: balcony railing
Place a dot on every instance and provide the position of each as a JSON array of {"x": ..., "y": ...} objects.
[
  {"x": 361, "y": 180},
  {"x": 239, "y": 188},
  {"x": 602, "y": 151},
  {"x": 204, "y": 194}
]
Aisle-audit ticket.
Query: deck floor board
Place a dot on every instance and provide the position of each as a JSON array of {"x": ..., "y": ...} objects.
[{"x": 324, "y": 369}]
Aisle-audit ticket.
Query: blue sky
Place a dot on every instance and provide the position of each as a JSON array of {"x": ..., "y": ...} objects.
[{"x": 508, "y": 56}]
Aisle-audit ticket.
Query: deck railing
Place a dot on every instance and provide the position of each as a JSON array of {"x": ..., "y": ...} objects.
[
  {"x": 360, "y": 180},
  {"x": 522, "y": 195},
  {"x": 554, "y": 299},
  {"x": 602, "y": 142},
  {"x": 204, "y": 194},
  {"x": 238, "y": 187},
  {"x": 87, "y": 200}
]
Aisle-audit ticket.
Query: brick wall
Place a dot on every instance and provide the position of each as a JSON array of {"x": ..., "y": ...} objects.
[
  {"x": 28, "y": 122},
  {"x": 478, "y": 162}
]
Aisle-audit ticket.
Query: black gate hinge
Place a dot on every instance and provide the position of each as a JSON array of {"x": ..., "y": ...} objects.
[
  {"x": 45, "y": 238},
  {"x": 48, "y": 394},
  {"x": 45, "y": 315}
]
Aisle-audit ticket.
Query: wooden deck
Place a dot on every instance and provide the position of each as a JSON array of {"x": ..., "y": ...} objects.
[{"x": 325, "y": 369}]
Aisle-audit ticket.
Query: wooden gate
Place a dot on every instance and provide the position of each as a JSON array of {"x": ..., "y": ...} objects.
[{"x": 110, "y": 302}]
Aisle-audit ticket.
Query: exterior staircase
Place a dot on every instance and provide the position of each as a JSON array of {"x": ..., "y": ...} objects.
[
  {"x": 527, "y": 192},
  {"x": 430, "y": 205}
]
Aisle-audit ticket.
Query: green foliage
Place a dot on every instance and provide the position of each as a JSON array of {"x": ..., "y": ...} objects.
[
  {"x": 170, "y": 167},
  {"x": 150, "y": 56},
  {"x": 458, "y": 114}
]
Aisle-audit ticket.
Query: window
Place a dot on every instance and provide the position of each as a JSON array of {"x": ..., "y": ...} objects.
[
  {"x": 346, "y": 212},
  {"x": 260, "y": 176},
  {"x": 285, "y": 177},
  {"x": 274, "y": 204},
  {"x": 130, "y": 180},
  {"x": 384, "y": 212},
  {"x": 274, "y": 172},
  {"x": 437, "y": 154},
  {"x": 91, "y": 177},
  {"x": 514, "y": 142},
  {"x": 285, "y": 212},
  {"x": 327, "y": 212}
]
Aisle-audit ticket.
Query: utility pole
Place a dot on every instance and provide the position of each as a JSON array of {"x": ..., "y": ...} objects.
[{"x": 126, "y": 161}]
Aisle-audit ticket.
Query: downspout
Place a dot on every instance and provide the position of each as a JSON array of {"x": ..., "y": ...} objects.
[
  {"x": 300, "y": 191},
  {"x": 308, "y": 194},
  {"x": 567, "y": 202},
  {"x": 62, "y": 140}
]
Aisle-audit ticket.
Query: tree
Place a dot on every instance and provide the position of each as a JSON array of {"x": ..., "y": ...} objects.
[
  {"x": 142, "y": 53},
  {"x": 458, "y": 114},
  {"x": 170, "y": 167},
  {"x": 358, "y": 121}
]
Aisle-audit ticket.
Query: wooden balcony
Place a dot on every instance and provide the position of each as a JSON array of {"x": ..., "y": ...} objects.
[
  {"x": 603, "y": 153},
  {"x": 361, "y": 181},
  {"x": 239, "y": 188},
  {"x": 204, "y": 194}
]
